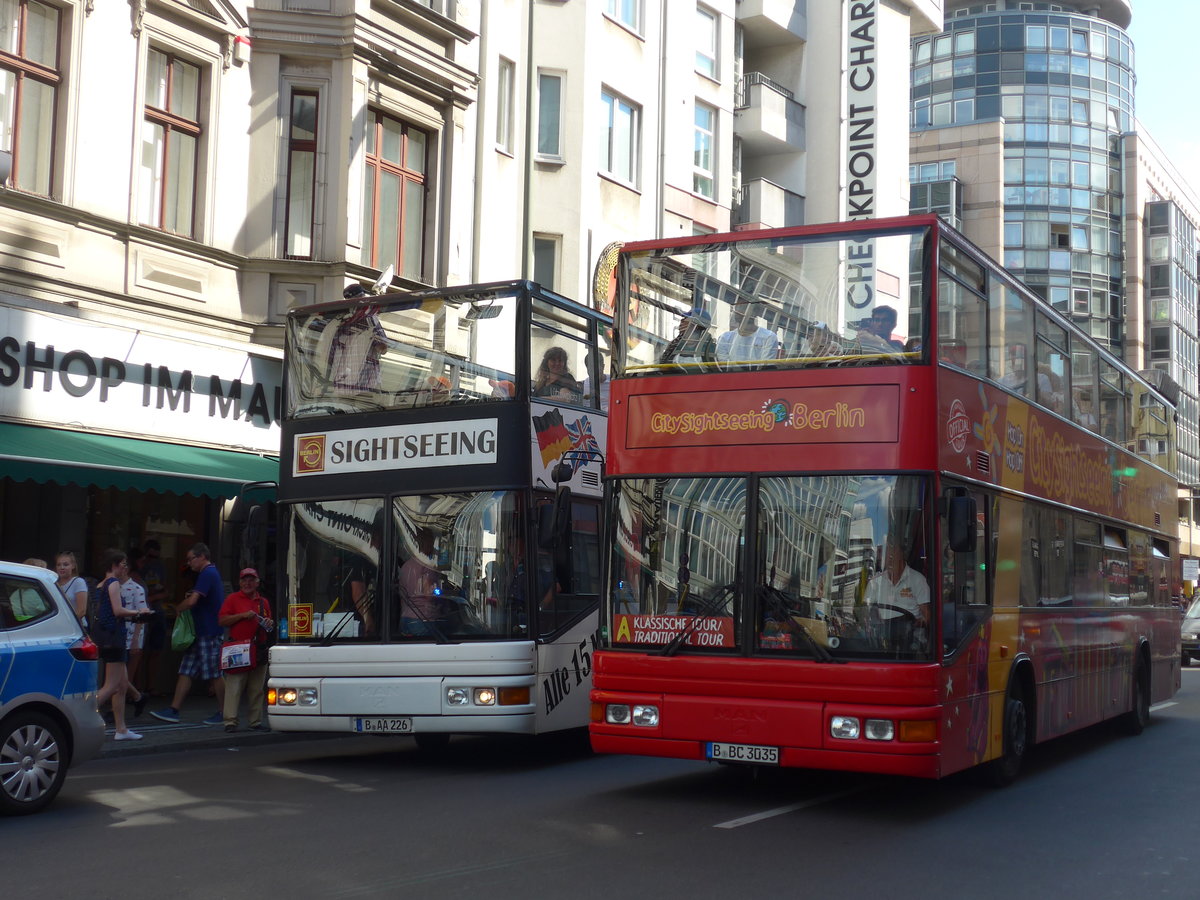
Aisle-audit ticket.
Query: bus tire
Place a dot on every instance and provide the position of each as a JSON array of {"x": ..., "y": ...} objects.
[
  {"x": 1003, "y": 771},
  {"x": 432, "y": 741},
  {"x": 1135, "y": 721}
]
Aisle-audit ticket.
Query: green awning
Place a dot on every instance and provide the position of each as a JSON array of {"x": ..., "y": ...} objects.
[{"x": 29, "y": 453}]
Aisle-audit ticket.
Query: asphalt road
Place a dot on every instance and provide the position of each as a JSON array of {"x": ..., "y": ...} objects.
[{"x": 1093, "y": 816}]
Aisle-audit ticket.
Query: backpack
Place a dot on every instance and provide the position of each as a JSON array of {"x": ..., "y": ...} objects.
[{"x": 105, "y": 630}]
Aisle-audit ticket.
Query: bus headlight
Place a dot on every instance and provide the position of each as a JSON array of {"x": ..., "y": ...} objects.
[
  {"x": 616, "y": 714},
  {"x": 485, "y": 696},
  {"x": 458, "y": 696},
  {"x": 844, "y": 727},
  {"x": 290, "y": 696},
  {"x": 879, "y": 730},
  {"x": 645, "y": 715}
]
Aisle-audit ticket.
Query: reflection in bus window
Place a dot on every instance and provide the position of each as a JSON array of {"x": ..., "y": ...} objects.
[
  {"x": 382, "y": 354},
  {"x": 677, "y": 546},
  {"x": 785, "y": 303},
  {"x": 334, "y": 550},
  {"x": 457, "y": 559}
]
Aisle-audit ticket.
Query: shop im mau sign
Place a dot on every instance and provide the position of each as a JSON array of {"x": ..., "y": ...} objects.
[
  {"x": 78, "y": 374},
  {"x": 65, "y": 372}
]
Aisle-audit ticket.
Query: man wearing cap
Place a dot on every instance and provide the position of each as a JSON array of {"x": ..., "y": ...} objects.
[
  {"x": 692, "y": 345},
  {"x": 247, "y": 615}
]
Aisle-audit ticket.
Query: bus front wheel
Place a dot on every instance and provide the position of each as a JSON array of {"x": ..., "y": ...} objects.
[{"x": 1003, "y": 771}]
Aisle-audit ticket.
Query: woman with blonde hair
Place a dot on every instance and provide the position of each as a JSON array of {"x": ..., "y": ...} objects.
[{"x": 73, "y": 588}]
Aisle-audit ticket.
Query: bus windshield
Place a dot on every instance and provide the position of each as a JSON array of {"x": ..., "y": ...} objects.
[
  {"x": 779, "y": 302},
  {"x": 427, "y": 350},
  {"x": 836, "y": 567},
  {"x": 455, "y": 568}
]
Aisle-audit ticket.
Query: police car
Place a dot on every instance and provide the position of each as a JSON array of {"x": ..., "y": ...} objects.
[{"x": 48, "y": 671}]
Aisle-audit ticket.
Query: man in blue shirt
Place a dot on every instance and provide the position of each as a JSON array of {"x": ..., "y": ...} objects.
[{"x": 203, "y": 658}]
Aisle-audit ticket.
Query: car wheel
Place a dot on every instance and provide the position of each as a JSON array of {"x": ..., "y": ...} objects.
[
  {"x": 33, "y": 763},
  {"x": 1003, "y": 771}
]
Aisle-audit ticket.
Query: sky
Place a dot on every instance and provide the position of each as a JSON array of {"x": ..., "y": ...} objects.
[{"x": 1167, "y": 65}]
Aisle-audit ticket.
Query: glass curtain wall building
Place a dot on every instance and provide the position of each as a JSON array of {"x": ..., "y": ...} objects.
[{"x": 1063, "y": 82}]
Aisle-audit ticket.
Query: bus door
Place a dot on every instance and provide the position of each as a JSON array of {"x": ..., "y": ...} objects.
[{"x": 965, "y": 521}]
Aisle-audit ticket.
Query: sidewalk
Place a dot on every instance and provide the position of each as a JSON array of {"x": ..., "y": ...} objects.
[{"x": 190, "y": 733}]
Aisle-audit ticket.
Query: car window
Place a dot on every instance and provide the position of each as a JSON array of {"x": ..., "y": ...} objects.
[{"x": 22, "y": 601}]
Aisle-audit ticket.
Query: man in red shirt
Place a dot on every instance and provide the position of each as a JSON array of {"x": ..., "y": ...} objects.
[{"x": 247, "y": 615}]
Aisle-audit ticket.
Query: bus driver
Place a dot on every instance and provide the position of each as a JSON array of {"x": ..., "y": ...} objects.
[{"x": 897, "y": 597}]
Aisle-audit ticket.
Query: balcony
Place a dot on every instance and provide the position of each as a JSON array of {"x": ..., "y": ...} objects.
[
  {"x": 764, "y": 204},
  {"x": 766, "y": 117},
  {"x": 770, "y": 23}
]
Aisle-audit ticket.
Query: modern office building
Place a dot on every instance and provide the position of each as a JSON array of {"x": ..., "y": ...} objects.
[{"x": 1024, "y": 135}]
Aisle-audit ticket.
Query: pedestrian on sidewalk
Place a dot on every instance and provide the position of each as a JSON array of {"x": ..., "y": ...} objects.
[
  {"x": 109, "y": 628},
  {"x": 203, "y": 658},
  {"x": 133, "y": 596},
  {"x": 247, "y": 615}
]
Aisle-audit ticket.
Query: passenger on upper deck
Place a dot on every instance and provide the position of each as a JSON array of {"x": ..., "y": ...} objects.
[
  {"x": 554, "y": 379},
  {"x": 692, "y": 344},
  {"x": 876, "y": 333},
  {"x": 746, "y": 340}
]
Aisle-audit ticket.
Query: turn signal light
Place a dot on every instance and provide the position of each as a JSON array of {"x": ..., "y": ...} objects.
[
  {"x": 514, "y": 696},
  {"x": 921, "y": 732}
]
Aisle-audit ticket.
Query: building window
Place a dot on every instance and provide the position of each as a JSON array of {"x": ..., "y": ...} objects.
[
  {"x": 301, "y": 177},
  {"x": 619, "y": 138},
  {"x": 394, "y": 196},
  {"x": 627, "y": 12},
  {"x": 707, "y": 42},
  {"x": 30, "y": 80},
  {"x": 704, "y": 152},
  {"x": 504, "y": 105},
  {"x": 545, "y": 260},
  {"x": 549, "y": 135},
  {"x": 170, "y": 142}
]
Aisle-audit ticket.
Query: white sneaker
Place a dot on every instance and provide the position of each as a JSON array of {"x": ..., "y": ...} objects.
[{"x": 127, "y": 736}]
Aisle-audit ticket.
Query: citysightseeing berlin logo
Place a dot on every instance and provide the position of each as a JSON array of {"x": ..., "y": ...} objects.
[
  {"x": 772, "y": 414},
  {"x": 310, "y": 454},
  {"x": 958, "y": 426}
]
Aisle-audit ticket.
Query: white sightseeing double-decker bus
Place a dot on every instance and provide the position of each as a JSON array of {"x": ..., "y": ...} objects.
[{"x": 440, "y": 513}]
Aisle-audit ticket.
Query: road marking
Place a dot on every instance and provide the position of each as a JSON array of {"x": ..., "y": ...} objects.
[
  {"x": 1157, "y": 706},
  {"x": 783, "y": 810}
]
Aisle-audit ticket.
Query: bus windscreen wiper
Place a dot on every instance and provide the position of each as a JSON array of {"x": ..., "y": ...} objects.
[
  {"x": 706, "y": 612},
  {"x": 777, "y": 603}
]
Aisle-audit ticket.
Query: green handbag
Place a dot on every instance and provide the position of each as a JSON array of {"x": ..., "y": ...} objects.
[{"x": 183, "y": 635}]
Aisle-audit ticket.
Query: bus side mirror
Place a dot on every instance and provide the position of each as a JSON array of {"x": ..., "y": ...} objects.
[{"x": 961, "y": 523}]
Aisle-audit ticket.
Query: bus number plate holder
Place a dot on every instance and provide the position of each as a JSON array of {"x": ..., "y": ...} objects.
[
  {"x": 744, "y": 753},
  {"x": 384, "y": 724}
]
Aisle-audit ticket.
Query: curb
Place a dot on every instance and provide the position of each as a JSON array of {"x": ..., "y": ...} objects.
[{"x": 197, "y": 737}]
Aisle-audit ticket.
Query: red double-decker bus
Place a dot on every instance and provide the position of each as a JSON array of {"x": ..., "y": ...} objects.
[{"x": 874, "y": 506}]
